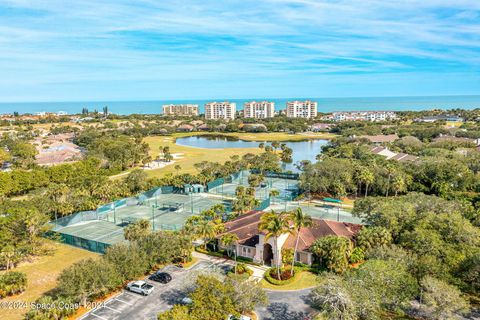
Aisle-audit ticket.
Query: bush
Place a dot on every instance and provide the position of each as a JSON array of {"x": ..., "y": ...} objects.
[
  {"x": 357, "y": 255},
  {"x": 12, "y": 282},
  {"x": 242, "y": 269},
  {"x": 285, "y": 276}
]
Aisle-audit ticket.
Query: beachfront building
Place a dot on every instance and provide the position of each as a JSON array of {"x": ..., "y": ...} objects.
[
  {"x": 301, "y": 109},
  {"x": 180, "y": 109},
  {"x": 364, "y": 116},
  {"x": 220, "y": 110},
  {"x": 259, "y": 109}
]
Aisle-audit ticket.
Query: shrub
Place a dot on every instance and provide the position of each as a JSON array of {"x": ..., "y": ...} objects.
[
  {"x": 285, "y": 276},
  {"x": 12, "y": 282},
  {"x": 357, "y": 255},
  {"x": 242, "y": 269}
]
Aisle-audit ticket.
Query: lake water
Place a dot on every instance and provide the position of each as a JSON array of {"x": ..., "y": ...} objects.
[{"x": 302, "y": 150}]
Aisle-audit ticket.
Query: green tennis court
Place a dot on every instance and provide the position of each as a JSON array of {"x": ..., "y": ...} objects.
[
  {"x": 96, "y": 230},
  {"x": 325, "y": 212}
]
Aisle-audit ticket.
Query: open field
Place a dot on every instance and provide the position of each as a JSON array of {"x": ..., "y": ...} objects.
[
  {"x": 195, "y": 155},
  {"x": 42, "y": 275}
]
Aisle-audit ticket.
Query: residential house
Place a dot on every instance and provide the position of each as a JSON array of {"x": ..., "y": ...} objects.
[{"x": 390, "y": 155}]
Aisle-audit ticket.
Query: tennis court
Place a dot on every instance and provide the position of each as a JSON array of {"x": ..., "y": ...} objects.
[
  {"x": 288, "y": 188},
  {"x": 326, "y": 212},
  {"x": 164, "y": 211},
  {"x": 95, "y": 230}
]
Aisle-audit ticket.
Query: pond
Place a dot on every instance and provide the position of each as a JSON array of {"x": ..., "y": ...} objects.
[{"x": 302, "y": 150}]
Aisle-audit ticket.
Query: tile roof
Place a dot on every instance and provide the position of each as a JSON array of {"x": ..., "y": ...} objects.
[
  {"x": 246, "y": 228},
  {"x": 321, "y": 228}
]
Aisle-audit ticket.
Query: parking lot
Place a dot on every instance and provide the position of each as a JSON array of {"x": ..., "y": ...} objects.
[
  {"x": 129, "y": 305},
  {"x": 291, "y": 305}
]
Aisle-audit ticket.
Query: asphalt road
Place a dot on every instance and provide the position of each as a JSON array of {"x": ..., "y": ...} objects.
[
  {"x": 283, "y": 305},
  {"x": 286, "y": 305}
]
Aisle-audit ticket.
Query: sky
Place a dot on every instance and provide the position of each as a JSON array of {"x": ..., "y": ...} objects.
[{"x": 84, "y": 50}]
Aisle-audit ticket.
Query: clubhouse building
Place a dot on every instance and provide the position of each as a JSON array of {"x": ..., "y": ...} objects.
[{"x": 252, "y": 242}]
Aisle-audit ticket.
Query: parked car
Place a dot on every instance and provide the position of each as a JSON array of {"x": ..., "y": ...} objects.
[
  {"x": 161, "y": 277},
  {"x": 140, "y": 287},
  {"x": 186, "y": 301},
  {"x": 232, "y": 317}
]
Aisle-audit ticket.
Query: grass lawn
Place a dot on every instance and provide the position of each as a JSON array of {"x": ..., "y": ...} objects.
[
  {"x": 303, "y": 280},
  {"x": 195, "y": 155},
  {"x": 42, "y": 275}
]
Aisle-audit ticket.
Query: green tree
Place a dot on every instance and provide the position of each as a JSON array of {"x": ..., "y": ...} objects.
[
  {"x": 137, "y": 230},
  {"x": 248, "y": 293},
  {"x": 212, "y": 299},
  {"x": 273, "y": 193},
  {"x": 128, "y": 260},
  {"x": 254, "y": 180},
  {"x": 137, "y": 181},
  {"x": 333, "y": 252},
  {"x": 87, "y": 280},
  {"x": 440, "y": 300},
  {"x": 300, "y": 220},
  {"x": 275, "y": 145},
  {"x": 178, "y": 168},
  {"x": 274, "y": 225},
  {"x": 334, "y": 299},
  {"x": 228, "y": 240},
  {"x": 372, "y": 237},
  {"x": 366, "y": 177}
]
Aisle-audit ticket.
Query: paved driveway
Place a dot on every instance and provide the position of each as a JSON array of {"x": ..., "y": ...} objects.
[{"x": 286, "y": 305}]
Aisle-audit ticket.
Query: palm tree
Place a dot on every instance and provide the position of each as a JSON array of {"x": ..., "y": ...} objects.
[
  {"x": 366, "y": 176},
  {"x": 274, "y": 225},
  {"x": 300, "y": 220},
  {"x": 206, "y": 230},
  {"x": 391, "y": 172},
  {"x": 274, "y": 193},
  {"x": 229, "y": 239},
  {"x": 275, "y": 145},
  {"x": 178, "y": 168}
]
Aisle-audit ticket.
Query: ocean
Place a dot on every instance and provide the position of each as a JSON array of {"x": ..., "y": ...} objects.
[{"x": 324, "y": 104}]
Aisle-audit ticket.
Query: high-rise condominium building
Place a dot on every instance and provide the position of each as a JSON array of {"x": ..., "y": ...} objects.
[
  {"x": 301, "y": 109},
  {"x": 220, "y": 110},
  {"x": 180, "y": 109},
  {"x": 259, "y": 109}
]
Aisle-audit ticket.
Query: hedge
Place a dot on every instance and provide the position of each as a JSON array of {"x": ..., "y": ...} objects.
[
  {"x": 276, "y": 282},
  {"x": 12, "y": 282}
]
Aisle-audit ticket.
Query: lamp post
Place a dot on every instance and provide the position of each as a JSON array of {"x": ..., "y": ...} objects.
[
  {"x": 114, "y": 214},
  {"x": 191, "y": 201},
  {"x": 235, "y": 256},
  {"x": 153, "y": 217}
]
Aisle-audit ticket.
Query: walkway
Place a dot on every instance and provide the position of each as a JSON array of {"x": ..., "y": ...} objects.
[{"x": 258, "y": 271}]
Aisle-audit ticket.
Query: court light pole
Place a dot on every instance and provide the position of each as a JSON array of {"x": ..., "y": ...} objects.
[
  {"x": 153, "y": 218},
  {"x": 191, "y": 201}
]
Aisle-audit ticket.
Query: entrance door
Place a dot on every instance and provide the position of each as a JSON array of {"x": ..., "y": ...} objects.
[{"x": 267, "y": 254}]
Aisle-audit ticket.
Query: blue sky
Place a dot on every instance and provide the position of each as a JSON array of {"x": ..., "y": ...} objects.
[{"x": 139, "y": 50}]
